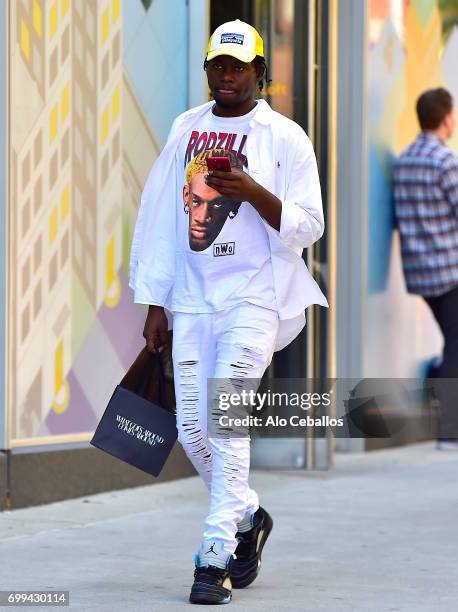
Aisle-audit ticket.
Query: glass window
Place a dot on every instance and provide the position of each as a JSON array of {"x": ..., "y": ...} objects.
[{"x": 282, "y": 58}]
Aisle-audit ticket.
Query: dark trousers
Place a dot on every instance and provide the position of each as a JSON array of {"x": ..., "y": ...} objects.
[{"x": 445, "y": 310}]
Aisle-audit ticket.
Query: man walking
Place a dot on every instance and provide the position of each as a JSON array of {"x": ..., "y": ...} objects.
[
  {"x": 426, "y": 211},
  {"x": 219, "y": 254}
]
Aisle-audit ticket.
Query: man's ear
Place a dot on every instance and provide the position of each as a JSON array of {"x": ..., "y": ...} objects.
[
  {"x": 260, "y": 70},
  {"x": 186, "y": 193}
]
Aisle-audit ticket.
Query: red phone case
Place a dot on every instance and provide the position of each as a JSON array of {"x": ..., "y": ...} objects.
[{"x": 219, "y": 163}]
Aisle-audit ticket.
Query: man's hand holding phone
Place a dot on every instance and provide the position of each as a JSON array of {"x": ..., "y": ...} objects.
[{"x": 231, "y": 182}]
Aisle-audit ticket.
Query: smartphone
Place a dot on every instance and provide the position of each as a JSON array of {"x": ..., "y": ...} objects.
[{"x": 219, "y": 163}]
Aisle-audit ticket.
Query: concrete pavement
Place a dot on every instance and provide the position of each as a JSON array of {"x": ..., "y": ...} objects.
[{"x": 379, "y": 532}]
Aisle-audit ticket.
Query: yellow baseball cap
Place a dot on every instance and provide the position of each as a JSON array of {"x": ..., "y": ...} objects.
[{"x": 235, "y": 38}]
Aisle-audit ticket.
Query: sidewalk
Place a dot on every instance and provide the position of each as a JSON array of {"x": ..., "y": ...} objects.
[{"x": 379, "y": 532}]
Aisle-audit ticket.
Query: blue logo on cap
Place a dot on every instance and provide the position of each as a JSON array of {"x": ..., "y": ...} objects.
[{"x": 232, "y": 38}]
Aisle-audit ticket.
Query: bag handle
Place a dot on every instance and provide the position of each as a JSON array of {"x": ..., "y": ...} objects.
[
  {"x": 147, "y": 375},
  {"x": 138, "y": 375},
  {"x": 151, "y": 376}
]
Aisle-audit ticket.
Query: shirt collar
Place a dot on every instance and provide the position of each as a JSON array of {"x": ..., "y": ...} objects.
[
  {"x": 262, "y": 115},
  {"x": 430, "y": 136}
]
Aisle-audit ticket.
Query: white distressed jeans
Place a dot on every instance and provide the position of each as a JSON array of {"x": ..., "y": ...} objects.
[{"x": 233, "y": 344}]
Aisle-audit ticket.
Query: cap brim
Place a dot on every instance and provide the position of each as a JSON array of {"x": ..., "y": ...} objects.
[{"x": 233, "y": 51}]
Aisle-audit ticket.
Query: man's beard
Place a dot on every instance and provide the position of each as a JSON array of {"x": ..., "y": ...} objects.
[{"x": 229, "y": 103}]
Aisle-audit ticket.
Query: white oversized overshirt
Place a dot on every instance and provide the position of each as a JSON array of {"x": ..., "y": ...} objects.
[{"x": 282, "y": 160}]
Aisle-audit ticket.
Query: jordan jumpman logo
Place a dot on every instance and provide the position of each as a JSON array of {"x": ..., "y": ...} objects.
[{"x": 211, "y": 549}]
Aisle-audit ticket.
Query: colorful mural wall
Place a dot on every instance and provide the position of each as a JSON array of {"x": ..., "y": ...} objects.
[
  {"x": 412, "y": 46},
  {"x": 94, "y": 88}
]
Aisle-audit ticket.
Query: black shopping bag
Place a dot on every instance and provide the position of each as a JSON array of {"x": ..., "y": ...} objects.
[{"x": 139, "y": 423}]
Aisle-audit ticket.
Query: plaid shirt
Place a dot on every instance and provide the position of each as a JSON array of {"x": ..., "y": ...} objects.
[{"x": 425, "y": 192}]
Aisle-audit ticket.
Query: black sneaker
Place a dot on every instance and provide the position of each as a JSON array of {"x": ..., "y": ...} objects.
[
  {"x": 212, "y": 585},
  {"x": 247, "y": 563}
]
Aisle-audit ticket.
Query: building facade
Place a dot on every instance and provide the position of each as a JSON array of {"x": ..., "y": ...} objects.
[{"x": 88, "y": 92}]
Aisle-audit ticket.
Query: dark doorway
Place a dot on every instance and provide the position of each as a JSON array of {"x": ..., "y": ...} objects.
[
  {"x": 287, "y": 27},
  {"x": 220, "y": 12}
]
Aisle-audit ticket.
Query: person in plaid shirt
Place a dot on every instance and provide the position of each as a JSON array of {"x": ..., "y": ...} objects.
[{"x": 425, "y": 191}]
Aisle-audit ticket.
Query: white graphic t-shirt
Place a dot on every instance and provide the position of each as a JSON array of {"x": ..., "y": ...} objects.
[{"x": 223, "y": 257}]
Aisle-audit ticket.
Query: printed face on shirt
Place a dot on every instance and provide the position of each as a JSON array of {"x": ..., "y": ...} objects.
[{"x": 207, "y": 210}]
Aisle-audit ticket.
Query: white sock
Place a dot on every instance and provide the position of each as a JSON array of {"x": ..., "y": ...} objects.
[
  {"x": 245, "y": 523},
  {"x": 212, "y": 552}
]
